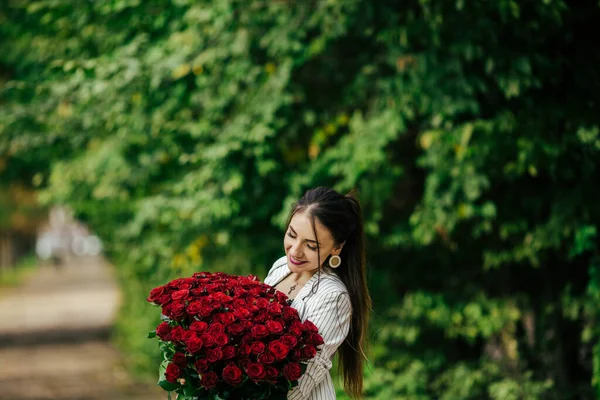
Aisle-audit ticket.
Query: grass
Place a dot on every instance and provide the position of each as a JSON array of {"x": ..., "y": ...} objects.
[{"x": 15, "y": 276}]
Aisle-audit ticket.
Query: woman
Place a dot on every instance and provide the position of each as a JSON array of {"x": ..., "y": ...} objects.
[{"x": 323, "y": 272}]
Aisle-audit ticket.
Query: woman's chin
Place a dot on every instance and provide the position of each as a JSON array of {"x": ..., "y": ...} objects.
[{"x": 295, "y": 268}]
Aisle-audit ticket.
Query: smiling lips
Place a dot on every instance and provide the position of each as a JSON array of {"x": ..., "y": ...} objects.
[{"x": 296, "y": 262}]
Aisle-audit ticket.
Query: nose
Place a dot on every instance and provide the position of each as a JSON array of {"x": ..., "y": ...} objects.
[{"x": 296, "y": 250}]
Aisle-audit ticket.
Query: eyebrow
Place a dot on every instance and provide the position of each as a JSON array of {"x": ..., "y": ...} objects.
[{"x": 308, "y": 240}]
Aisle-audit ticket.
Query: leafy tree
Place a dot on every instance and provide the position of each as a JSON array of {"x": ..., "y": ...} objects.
[{"x": 183, "y": 130}]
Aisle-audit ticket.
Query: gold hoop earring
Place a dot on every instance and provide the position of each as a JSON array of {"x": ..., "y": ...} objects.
[{"x": 335, "y": 261}]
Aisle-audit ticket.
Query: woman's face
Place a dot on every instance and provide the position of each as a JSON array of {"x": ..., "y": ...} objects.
[{"x": 301, "y": 247}]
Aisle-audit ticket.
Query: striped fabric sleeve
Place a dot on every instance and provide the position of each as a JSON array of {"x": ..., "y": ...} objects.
[
  {"x": 331, "y": 314},
  {"x": 277, "y": 264}
]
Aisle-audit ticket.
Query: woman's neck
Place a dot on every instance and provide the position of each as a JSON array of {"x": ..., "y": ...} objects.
[{"x": 303, "y": 277}]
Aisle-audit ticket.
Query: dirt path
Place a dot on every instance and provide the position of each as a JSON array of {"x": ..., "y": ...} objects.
[{"x": 54, "y": 338}]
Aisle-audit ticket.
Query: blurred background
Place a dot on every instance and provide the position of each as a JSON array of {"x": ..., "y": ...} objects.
[{"x": 145, "y": 140}]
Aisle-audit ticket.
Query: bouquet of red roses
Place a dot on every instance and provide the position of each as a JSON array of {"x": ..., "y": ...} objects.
[{"x": 230, "y": 337}]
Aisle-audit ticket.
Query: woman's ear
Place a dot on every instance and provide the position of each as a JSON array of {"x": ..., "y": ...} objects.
[{"x": 338, "y": 249}]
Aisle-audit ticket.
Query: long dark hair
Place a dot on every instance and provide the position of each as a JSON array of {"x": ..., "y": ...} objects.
[{"x": 342, "y": 216}]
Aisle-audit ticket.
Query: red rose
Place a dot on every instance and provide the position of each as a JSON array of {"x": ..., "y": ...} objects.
[
  {"x": 247, "y": 324},
  {"x": 225, "y": 298},
  {"x": 201, "y": 365},
  {"x": 214, "y": 355},
  {"x": 212, "y": 287},
  {"x": 235, "y": 329},
  {"x": 164, "y": 299},
  {"x": 228, "y": 352},
  {"x": 238, "y": 303},
  {"x": 278, "y": 349},
  {"x": 262, "y": 303},
  {"x": 255, "y": 371},
  {"x": 247, "y": 339},
  {"x": 290, "y": 313},
  {"x": 209, "y": 380},
  {"x": 232, "y": 374},
  {"x": 187, "y": 283},
  {"x": 309, "y": 351},
  {"x": 242, "y": 313},
  {"x": 257, "y": 347},
  {"x": 221, "y": 339},
  {"x": 155, "y": 295},
  {"x": 199, "y": 326},
  {"x": 188, "y": 335},
  {"x": 167, "y": 310},
  {"x": 272, "y": 372},
  {"x": 275, "y": 308},
  {"x": 296, "y": 329},
  {"x": 259, "y": 331},
  {"x": 179, "y": 359},
  {"x": 316, "y": 339},
  {"x": 227, "y": 318},
  {"x": 177, "y": 310},
  {"x": 244, "y": 350},
  {"x": 310, "y": 327},
  {"x": 296, "y": 355},
  {"x": 289, "y": 340},
  {"x": 274, "y": 327},
  {"x": 266, "y": 358},
  {"x": 261, "y": 317},
  {"x": 194, "y": 343},
  {"x": 281, "y": 297},
  {"x": 163, "y": 331},
  {"x": 194, "y": 308},
  {"x": 174, "y": 284},
  {"x": 172, "y": 373},
  {"x": 206, "y": 310},
  {"x": 180, "y": 294},
  {"x": 215, "y": 328},
  {"x": 208, "y": 339},
  {"x": 255, "y": 292},
  {"x": 292, "y": 371},
  {"x": 178, "y": 334}
]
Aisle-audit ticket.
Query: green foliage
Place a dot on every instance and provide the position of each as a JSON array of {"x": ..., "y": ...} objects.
[
  {"x": 182, "y": 131},
  {"x": 15, "y": 276}
]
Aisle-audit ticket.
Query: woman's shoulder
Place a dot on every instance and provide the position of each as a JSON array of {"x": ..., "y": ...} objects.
[
  {"x": 278, "y": 264},
  {"x": 278, "y": 269},
  {"x": 330, "y": 283}
]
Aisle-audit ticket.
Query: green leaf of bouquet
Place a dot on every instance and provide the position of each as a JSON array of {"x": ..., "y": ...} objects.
[
  {"x": 303, "y": 368},
  {"x": 167, "y": 349},
  {"x": 162, "y": 368},
  {"x": 151, "y": 335},
  {"x": 277, "y": 395},
  {"x": 168, "y": 386},
  {"x": 189, "y": 390},
  {"x": 204, "y": 395}
]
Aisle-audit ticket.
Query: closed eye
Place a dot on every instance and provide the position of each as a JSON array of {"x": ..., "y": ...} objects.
[{"x": 313, "y": 248}]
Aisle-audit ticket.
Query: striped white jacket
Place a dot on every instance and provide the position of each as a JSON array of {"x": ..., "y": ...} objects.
[{"x": 325, "y": 302}]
